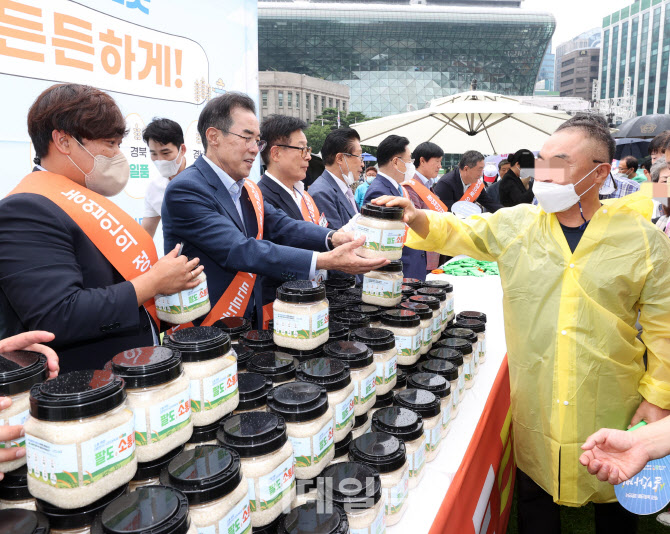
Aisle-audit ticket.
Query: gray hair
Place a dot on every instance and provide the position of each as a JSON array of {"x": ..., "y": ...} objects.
[
  {"x": 470, "y": 159},
  {"x": 656, "y": 169}
]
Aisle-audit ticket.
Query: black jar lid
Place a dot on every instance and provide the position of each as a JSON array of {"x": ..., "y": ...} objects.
[
  {"x": 444, "y": 353},
  {"x": 244, "y": 353},
  {"x": 331, "y": 373},
  {"x": 271, "y": 528},
  {"x": 77, "y": 518},
  {"x": 352, "y": 319},
  {"x": 298, "y": 402},
  {"x": 439, "y": 284},
  {"x": 20, "y": 521},
  {"x": 342, "y": 446},
  {"x": 336, "y": 304},
  {"x": 394, "y": 266},
  {"x": 407, "y": 291},
  {"x": 432, "y": 382},
  {"x": 154, "y": 509},
  {"x": 412, "y": 282},
  {"x": 462, "y": 333},
  {"x": 381, "y": 450},
  {"x": 400, "y": 422},
  {"x": 304, "y": 355},
  {"x": 309, "y": 518},
  {"x": 301, "y": 291},
  {"x": 401, "y": 379},
  {"x": 351, "y": 483},
  {"x": 419, "y": 400},
  {"x": 279, "y": 366},
  {"x": 76, "y": 395},
  {"x": 470, "y": 324},
  {"x": 253, "y": 388},
  {"x": 14, "y": 487},
  {"x": 432, "y": 302},
  {"x": 203, "y": 434},
  {"x": 204, "y": 474},
  {"x": 373, "y": 312},
  {"x": 147, "y": 366},
  {"x": 337, "y": 332},
  {"x": 20, "y": 370},
  {"x": 441, "y": 367},
  {"x": 377, "y": 339},
  {"x": 401, "y": 318},
  {"x": 360, "y": 420},
  {"x": 258, "y": 340},
  {"x": 353, "y": 294},
  {"x": 199, "y": 343},
  {"x": 479, "y": 316},
  {"x": 384, "y": 401},
  {"x": 340, "y": 282},
  {"x": 464, "y": 346},
  {"x": 408, "y": 369},
  {"x": 423, "y": 311},
  {"x": 253, "y": 434},
  {"x": 356, "y": 355},
  {"x": 233, "y": 326},
  {"x": 388, "y": 213},
  {"x": 152, "y": 469},
  {"x": 439, "y": 294}
]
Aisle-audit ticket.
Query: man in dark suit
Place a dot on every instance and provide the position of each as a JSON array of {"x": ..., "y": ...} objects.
[
  {"x": 395, "y": 166},
  {"x": 452, "y": 186},
  {"x": 208, "y": 208}
]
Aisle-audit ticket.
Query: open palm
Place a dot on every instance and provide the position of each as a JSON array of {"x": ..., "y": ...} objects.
[{"x": 614, "y": 455}]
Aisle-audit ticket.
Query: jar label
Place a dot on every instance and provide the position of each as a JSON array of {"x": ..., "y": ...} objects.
[
  {"x": 378, "y": 526},
  {"x": 427, "y": 336},
  {"x": 140, "y": 426},
  {"x": 397, "y": 495},
  {"x": 237, "y": 521},
  {"x": 51, "y": 464},
  {"x": 344, "y": 411},
  {"x": 386, "y": 371},
  {"x": 104, "y": 454},
  {"x": 219, "y": 388},
  {"x": 388, "y": 289},
  {"x": 417, "y": 461},
  {"x": 450, "y": 303},
  {"x": 444, "y": 313},
  {"x": 433, "y": 437},
  {"x": 296, "y": 326},
  {"x": 468, "y": 369},
  {"x": 446, "y": 415},
  {"x": 373, "y": 236},
  {"x": 273, "y": 486},
  {"x": 454, "y": 392},
  {"x": 408, "y": 345},
  {"x": 18, "y": 419},
  {"x": 437, "y": 324},
  {"x": 475, "y": 355},
  {"x": 311, "y": 450},
  {"x": 196, "y": 397},
  {"x": 170, "y": 416},
  {"x": 392, "y": 239},
  {"x": 461, "y": 378},
  {"x": 368, "y": 389},
  {"x": 191, "y": 299}
]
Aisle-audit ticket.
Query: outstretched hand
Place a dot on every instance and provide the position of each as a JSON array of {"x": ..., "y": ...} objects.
[{"x": 614, "y": 455}]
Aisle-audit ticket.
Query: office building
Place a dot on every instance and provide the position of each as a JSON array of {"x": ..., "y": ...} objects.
[
  {"x": 545, "y": 77},
  {"x": 578, "y": 64}
]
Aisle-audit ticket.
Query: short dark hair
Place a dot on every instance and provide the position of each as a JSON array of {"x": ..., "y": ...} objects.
[
  {"x": 427, "y": 151},
  {"x": 470, "y": 159},
  {"x": 371, "y": 169},
  {"x": 277, "y": 129},
  {"x": 595, "y": 127},
  {"x": 631, "y": 162},
  {"x": 523, "y": 157},
  {"x": 660, "y": 142},
  {"x": 503, "y": 162},
  {"x": 336, "y": 142},
  {"x": 81, "y": 111},
  {"x": 390, "y": 147},
  {"x": 646, "y": 163},
  {"x": 164, "y": 131},
  {"x": 216, "y": 113}
]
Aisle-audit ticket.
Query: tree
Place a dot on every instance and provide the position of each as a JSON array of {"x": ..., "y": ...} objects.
[
  {"x": 327, "y": 122},
  {"x": 316, "y": 135}
]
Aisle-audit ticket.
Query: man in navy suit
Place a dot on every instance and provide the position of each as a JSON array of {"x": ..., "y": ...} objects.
[
  {"x": 208, "y": 208},
  {"x": 395, "y": 166}
]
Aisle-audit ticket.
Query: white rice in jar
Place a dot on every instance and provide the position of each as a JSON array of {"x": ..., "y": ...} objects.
[
  {"x": 148, "y": 473},
  {"x": 384, "y": 232},
  {"x": 434, "y": 304},
  {"x": 441, "y": 295},
  {"x": 466, "y": 346},
  {"x": 453, "y": 373},
  {"x": 382, "y": 287},
  {"x": 300, "y": 315},
  {"x": 80, "y": 438},
  {"x": 185, "y": 306},
  {"x": 476, "y": 334},
  {"x": 363, "y": 371},
  {"x": 481, "y": 331},
  {"x": 426, "y": 325},
  {"x": 14, "y": 490},
  {"x": 428, "y": 406},
  {"x": 441, "y": 388},
  {"x": 382, "y": 343},
  {"x": 406, "y": 328}
]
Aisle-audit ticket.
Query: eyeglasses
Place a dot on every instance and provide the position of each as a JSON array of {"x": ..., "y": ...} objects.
[
  {"x": 353, "y": 155},
  {"x": 305, "y": 151},
  {"x": 250, "y": 141}
]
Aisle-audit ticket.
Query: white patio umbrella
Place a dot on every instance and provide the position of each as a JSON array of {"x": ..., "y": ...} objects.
[{"x": 474, "y": 120}]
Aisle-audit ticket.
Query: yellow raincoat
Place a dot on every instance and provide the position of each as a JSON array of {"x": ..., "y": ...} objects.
[{"x": 575, "y": 363}]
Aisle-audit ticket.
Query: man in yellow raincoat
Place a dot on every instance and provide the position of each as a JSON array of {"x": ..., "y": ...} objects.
[{"x": 575, "y": 274}]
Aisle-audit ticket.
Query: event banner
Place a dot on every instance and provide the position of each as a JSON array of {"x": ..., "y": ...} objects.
[
  {"x": 160, "y": 58},
  {"x": 479, "y": 498}
]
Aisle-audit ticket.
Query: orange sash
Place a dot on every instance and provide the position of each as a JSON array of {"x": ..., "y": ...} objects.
[
  {"x": 123, "y": 242},
  {"x": 425, "y": 194},
  {"x": 308, "y": 209},
  {"x": 473, "y": 192}
]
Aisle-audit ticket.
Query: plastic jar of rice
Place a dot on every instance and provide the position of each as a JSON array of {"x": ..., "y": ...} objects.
[
  {"x": 203, "y": 435},
  {"x": 382, "y": 287},
  {"x": 309, "y": 424},
  {"x": 448, "y": 370},
  {"x": 383, "y": 401},
  {"x": 342, "y": 449},
  {"x": 479, "y": 346},
  {"x": 254, "y": 389},
  {"x": 80, "y": 438},
  {"x": 434, "y": 304},
  {"x": 300, "y": 315},
  {"x": 158, "y": 393},
  {"x": 441, "y": 388},
  {"x": 374, "y": 314},
  {"x": 361, "y": 425},
  {"x": 401, "y": 380},
  {"x": 154, "y": 509},
  {"x": 426, "y": 326},
  {"x": 357, "y": 489},
  {"x": 338, "y": 332},
  {"x": 449, "y": 290},
  {"x": 407, "y": 426},
  {"x": 465, "y": 347},
  {"x": 351, "y": 319},
  {"x": 19, "y": 371},
  {"x": 382, "y": 343},
  {"x": 235, "y": 327},
  {"x": 258, "y": 340},
  {"x": 384, "y": 232},
  {"x": 267, "y": 462},
  {"x": 310, "y": 518},
  {"x": 362, "y": 369},
  {"x": 441, "y": 295},
  {"x": 406, "y": 328},
  {"x": 477, "y": 316},
  {"x": 14, "y": 490},
  {"x": 305, "y": 491},
  {"x": 185, "y": 306},
  {"x": 211, "y": 367},
  {"x": 427, "y": 405},
  {"x": 277, "y": 366},
  {"x": 386, "y": 454},
  {"x": 304, "y": 355},
  {"x": 243, "y": 353},
  {"x": 20, "y": 521},
  {"x": 148, "y": 473},
  {"x": 217, "y": 492}
]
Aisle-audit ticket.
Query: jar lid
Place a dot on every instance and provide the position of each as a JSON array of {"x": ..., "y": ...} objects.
[
  {"x": 271, "y": 527},
  {"x": 14, "y": 487},
  {"x": 253, "y": 389},
  {"x": 337, "y": 332},
  {"x": 360, "y": 420},
  {"x": 340, "y": 282},
  {"x": 154, "y": 509},
  {"x": 399, "y": 422},
  {"x": 76, "y": 395},
  {"x": 384, "y": 401},
  {"x": 373, "y": 312},
  {"x": 20, "y": 521},
  {"x": 233, "y": 326},
  {"x": 253, "y": 433},
  {"x": 199, "y": 343},
  {"x": 421, "y": 401},
  {"x": 258, "y": 339},
  {"x": 342, "y": 446},
  {"x": 350, "y": 483},
  {"x": 331, "y": 373},
  {"x": 377, "y": 339},
  {"x": 353, "y": 293},
  {"x": 451, "y": 355},
  {"x": 20, "y": 370},
  {"x": 464, "y": 346},
  {"x": 439, "y": 284},
  {"x": 279, "y": 366},
  {"x": 147, "y": 366},
  {"x": 304, "y": 355},
  {"x": 401, "y": 379},
  {"x": 441, "y": 367},
  {"x": 388, "y": 213},
  {"x": 472, "y": 324},
  {"x": 309, "y": 518},
  {"x": 462, "y": 333},
  {"x": 479, "y": 316},
  {"x": 412, "y": 282},
  {"x": 423, "y": 311},
  {"x": 408, "y": 369},
  {"x": 380, "y": 450},
  {"x": 298, "y": 402},
  {"x": 439, "y": 294},
  {"x": 394, "y": 266},
  {"x": 432, "y": 302},
  {"x": 336, "y": 304},
  {"x": 204, "y": 474},
  {"x": 301, "y": 291},
  {"x": 430, "y": 382},
  {"x": 407, "y": 291},
  {"x": 356, "y": 355},
  {"x": 77, "y": 518},
  {"x": 244, "y": 353},
  {"x": 203, "y": 434},
  {"x": 351, "y": 319},
  {"x": 401, "y": 318},
  {"x": 152, "y": 469}
]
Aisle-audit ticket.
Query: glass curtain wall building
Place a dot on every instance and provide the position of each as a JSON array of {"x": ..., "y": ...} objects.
[{"x": 398, "y": 57}]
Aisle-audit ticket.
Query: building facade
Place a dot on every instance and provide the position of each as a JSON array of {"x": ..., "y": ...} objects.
[
  {"x": 589, "y": 39},
  {"x": 397, "y": 56},
  {"x": 578, "y": 70},
  {"x": 636, "y": 49},
  {"x": 545, "y": 77},
  {"x": 298, "y": 95}
]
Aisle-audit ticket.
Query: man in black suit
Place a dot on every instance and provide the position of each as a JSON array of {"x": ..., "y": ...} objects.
[{"x": 452, "y": 186}]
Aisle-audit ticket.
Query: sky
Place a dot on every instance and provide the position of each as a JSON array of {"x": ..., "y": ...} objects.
[{"x": 575, "y": 16}]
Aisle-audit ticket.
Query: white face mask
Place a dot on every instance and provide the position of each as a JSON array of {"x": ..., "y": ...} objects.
[
  {"x": 410, "y": 170},
  {"x": 109, "y": 176},
  {"x": 608, "y": 187},
  {"x": 168, "y": 168},
  {"x": 349, "y": 177},
  {"x": 526, "y": 173},
  {"x": 369, "y": 179},
  {"x": 554, "y": 198}
]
